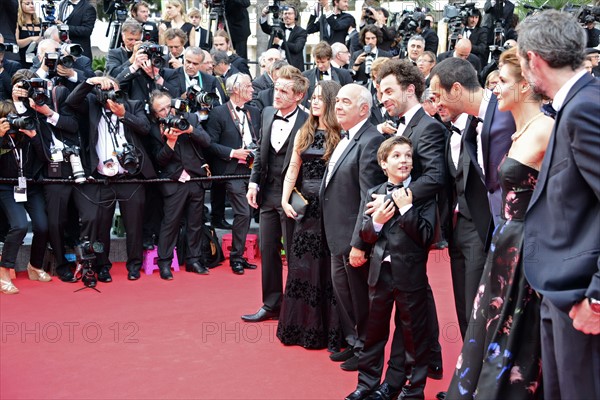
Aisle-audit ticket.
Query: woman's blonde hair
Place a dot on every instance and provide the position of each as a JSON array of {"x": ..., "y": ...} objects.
[{"x": 21, "y": 20}]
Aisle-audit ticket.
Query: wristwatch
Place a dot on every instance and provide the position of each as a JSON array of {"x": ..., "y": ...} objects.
[{"x": 594, "y": 305}]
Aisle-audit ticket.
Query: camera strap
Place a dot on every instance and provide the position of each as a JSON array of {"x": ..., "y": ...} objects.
[
  {"x": 113, "y": 131},
  {"x": 238, "y": 123}
]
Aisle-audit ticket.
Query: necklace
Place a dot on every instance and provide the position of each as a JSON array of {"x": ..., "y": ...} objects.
[{"x": 520, "y": 132}]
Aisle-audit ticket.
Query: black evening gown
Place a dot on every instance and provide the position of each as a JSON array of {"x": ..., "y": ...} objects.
[
  {"x": 308, "y": 315},
  {"x": 501, "y": 354}
]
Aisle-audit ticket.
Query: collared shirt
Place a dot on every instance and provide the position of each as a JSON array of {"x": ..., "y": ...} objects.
[
  {"x": 280, "y": 130},
  {"x": 408, "y": 116},
  {"x": 69, "y": 9},
  {"x": 485, "y": 102},
  {"x": 246, "y": 134},
  {"x": 377, "y": 227},
  {"x": 561, "y": 95},
  {"x": 339, "y": 149},
  {"x": 105, "y": 147},
  {"x": 455, "y": 138},
  {"x": 326, "y": 75}
]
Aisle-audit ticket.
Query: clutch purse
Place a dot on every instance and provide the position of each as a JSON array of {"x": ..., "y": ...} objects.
[{"x": 299, "y": 203}]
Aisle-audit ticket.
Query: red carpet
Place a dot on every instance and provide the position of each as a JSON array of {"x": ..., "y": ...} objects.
[{"x": 183, "y": 339}]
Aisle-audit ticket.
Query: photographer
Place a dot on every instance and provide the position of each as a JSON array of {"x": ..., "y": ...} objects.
[
  {"x": 362, "y": 60},
  {"x": 477, "y": 35},
  {"x": 140, "y": 11},
  {"x": 287, "y": 36},
  {"x": 7, "y": 70},
  {"x": 121, "y": 58},
  {"x": 238, "y": 21},
  {"x": 593, "y": 33},
  {"x": 81, "y": 62},
  {"x": 21, "y": 155},
  {"x": 498, "y": 13},
  {"x": 331, "y": 21},
  {"x": 54, "y": 63},
  {"x": 179, "y": 155},
  {"x": 80, "y": 16},
  {"x": 116, "y": 153},
  {"x": 234, "y": 128},
  {"x": 379, "y": 16},
  {"x": 190, "y": 74},
  {"x": 175, "y": 40}
]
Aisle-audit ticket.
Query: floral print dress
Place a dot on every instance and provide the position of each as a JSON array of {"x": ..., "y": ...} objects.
[
  {"x": 500, "y": 358},
  {"x": 308, "y": 315}
]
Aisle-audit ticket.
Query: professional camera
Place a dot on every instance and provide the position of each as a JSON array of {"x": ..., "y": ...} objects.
[
  {"x": 63, "y": 33},
  {"x": 37, "y": 89},
  {"x": 252, "y": 155},
  {"x": 201, "y": 101},
  {"x": 9, "y": 48},
  {"x": 129, "y": 159},
  {"x": 584, "y": 14},
  {"x": 147, "y": 30},
  {"x": 156, "y": 53},
  {"x": 118, "y": 96},
  {"x": 216, "y": 8},
  {"x": 85, "y": 253},
  {"x": 367, "y": 15},
  {"x": 406, "y": 24},
  {"x": 175, "y": 121},
  {"x": 72, "y": 49},
  {"x": 16, "y": 122},
  {"x": 456, "y": 15},
  {"x": 71, "y": 153},
  {"x": 180, "y": 105}
]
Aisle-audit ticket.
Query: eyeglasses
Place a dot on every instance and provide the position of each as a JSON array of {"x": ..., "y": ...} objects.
[{"x": 422, "y": 60}]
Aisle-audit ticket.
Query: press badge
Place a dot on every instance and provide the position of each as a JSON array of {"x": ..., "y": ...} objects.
[
  {"x": 20, "y": 194},
  {"x": 56, "y": 154}
]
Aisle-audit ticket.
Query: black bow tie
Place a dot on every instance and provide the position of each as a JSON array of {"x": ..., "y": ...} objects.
[
  {"x": 548, "y": 110},
  {"x": 345, "y": 134},
  {"x": 454, "y": 128},
  {"x": 391, "y": 187},
  {"x": 475, "y": 121},
  {"x": 324, "y": 72},
  {"x": 284, "y": 119},
  {"x": 197, "y": 29},
  {"x": 402, "y": 120},
  {"x": 242, "y": 109},
  {"x": 288, "y": 29},
  {"x": 379, "y": 105}
]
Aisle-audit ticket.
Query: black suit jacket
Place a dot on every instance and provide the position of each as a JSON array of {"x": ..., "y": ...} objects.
[
  {"x": 318, "y": 24},
  {"x": 135, "y": 123},
  {"x": 261, "y": 83},
  {"x": 338, "y": 25},
  {"x": 479, "y": 43},
  {"x": 240, "y": 63},
  {"x": 264, "y": 98},
  {"x": 139, "y": 85},
  {"x": 82, "y": 66},
  {"x": 562, "y": 226},
  {"x": 116, "y": 61},
  {"x": 81, "y": 23},
  {"x": 355, "y": 172},
  {"x": 10, "y": 67},
  {"x": 406, "y": 238},
  {"x": 339, "y": 75},
  {"x": 473, "y": 59},
  {"x": 226, "y": 137},
  {"x": 431, "y": 40},
  {"x": 260, "y": 169},
  {"x": 361, "y": 75},
  {"x": 294, "y": 46},
  {"x": 238, "y": 19},
  {"x": 206, "y": 38}
]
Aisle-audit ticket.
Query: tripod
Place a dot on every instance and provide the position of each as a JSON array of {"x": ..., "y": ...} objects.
[
  {"x": 217, "y": 16},
  {"x": 114, "y": 26},
  {"x": 87, "y": 275}
]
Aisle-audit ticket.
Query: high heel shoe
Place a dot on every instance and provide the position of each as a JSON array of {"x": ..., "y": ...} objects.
[
  {"x": 36, "y": 274},
  {"x": 7, "y": 287}
]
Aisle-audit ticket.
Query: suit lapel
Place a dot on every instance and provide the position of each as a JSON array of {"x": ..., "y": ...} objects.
[
  {"x": 349, "y": 148},
  {"x": 297, "y": 125},
  {"x": 487, "y": 122},
  {"x": 408, "y": 132},
  {"x": 265, "y": 135}
]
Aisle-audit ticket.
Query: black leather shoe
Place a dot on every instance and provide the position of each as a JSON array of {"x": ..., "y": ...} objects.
[
  {"x": 358, "y": 394},
  {"x": 67, "y": 276},
  {"x": 237, "y": 267},
  {"x": 221, "y": 224},
  {"x": 261, "y": 315},
  {"x": 350, "y": 364},
  {"x": 384, "y": 392},
  {"x": 441, "y": 396},
  {"x": 197, "y": 268},
  {"x": 165, "y": 272},
  {"x": 247, "y": 265},
  {"x": 134, "y": 274},
  {"x": 344, "y": 355},
  {"x": 104, "y": 275},
  {"x": 148, "y": 244},
  {"x": 435, "y": 372}
]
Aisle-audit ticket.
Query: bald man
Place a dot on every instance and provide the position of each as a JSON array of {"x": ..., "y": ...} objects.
[{"x": 462, "y": 49}]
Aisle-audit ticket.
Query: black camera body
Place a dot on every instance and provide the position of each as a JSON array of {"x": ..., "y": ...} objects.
[
  {"x": 9, "y": 48},
  {"x": 368, "y": 16},
  {"x": 156, "y": 53},
  {"x": 129, "y": 159},
  {"x": 175, "y": 121},
  {"x": 17, "y": 122},
  {"x": 71, "y": 153},
  {"x": 198, "y": 99},
  {"x": 37, "y": 89},
  {"x": 86, "y": 250},
  {"x": 118, "y": 96},
  {"x": 252, "y": 155}
]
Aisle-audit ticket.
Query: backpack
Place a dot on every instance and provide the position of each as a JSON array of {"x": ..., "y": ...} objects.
[{"x": 212, "y": 253}]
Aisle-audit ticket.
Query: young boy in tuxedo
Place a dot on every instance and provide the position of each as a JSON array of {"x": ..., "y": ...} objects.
[{"x": 400, "y": 233}]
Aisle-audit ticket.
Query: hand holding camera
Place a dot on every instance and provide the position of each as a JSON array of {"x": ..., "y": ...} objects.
[
  {"x": 117, "y": 108},
  {"x": 241, "y": 154},
  {"x": 139, "y": 58},
  {"x": 4, "y": 126},
  {"x": 103, "y": 83},
  {"x": 42, "y": 109},
  {"x": 19, "y": 92}
]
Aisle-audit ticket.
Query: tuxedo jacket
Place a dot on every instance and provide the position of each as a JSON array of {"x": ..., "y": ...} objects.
[
  {"x": 355, "y": 172},
  {"x": 361, "y": 75},
  {"x": 10, "y": 67},
  {"x": 81, "y": 23},
  {"x": 376, "y": 116},
  {"x": 260, "y": 170},
  {"x": 498, "y": 127},
  {"x": 406, "y": 238},
  {"x": 338, "y": 26},
  {"x": 473, "y": 59},
  {"x": 293, "y": 46},
  {"x": 135, "y": 124},
  {"x": 479, "y": 43},
  {"x": 339, "y": 75},
  {"x": 262, "y": 82},
  {"x": 116, "y": 61},
  {"x": 431, "y": 40},
  {"x": 238, "y": 19},
  {"x": 175, "y": 81},
  {"x": 318, "y": 24},
  {"x": 225, "y": 136},
  {"x": 240, "y": 63},
  {"x": 562, "y": 225}
]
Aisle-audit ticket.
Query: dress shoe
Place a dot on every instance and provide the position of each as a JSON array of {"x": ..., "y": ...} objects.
[
  {"x": 350, "y": 364},
  {"x": 441, "y": 396},
  {"x": 247, "y": 265},
  {"x": 221, "y": 224},
  {"x": 358, "y": 394},
  {"x": 104, "y": 275},
  {"x": 435, "y": 372},
  {"x": 66, "y": 276},
  {"x": 261, "y": 315},
  {"x": 344, "y": 355},
  {"x": 197, "y": 268},
  {"x": 7, "y": 287},
  {"x": 36, "y": 274},
  {"x": 133, "y": 274},
  {"x": 148, "y": 244},
  {"x": 384, "y": 392},
  {"x": 237, "y": 267},
  {"x": 165, "y": 272}
]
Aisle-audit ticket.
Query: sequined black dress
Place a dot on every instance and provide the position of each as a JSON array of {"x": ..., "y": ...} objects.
[
  {"x": 308, "y": 316},
  {"x": 500, "y": 358}
]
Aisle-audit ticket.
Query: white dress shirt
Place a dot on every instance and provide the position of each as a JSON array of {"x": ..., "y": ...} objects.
[{"x": 340, "y": 148}]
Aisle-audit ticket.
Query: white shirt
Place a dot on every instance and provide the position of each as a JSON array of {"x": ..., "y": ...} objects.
[
  {"x": 485, "y": 102},
  {"x": 105, "y": 147},
  {"x": 408, "y": 116},
  {"x": 280, "y": 130},
  {"x": 68, "y": 9},
  {"x": 246, "y": 135},
  {"x": 340, "y": 148},
  {"x": 561, "y": 95},
  {"x": 455, "y": 138}
]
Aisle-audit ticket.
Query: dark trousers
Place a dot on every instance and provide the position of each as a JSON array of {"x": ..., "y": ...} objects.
[
  {"x": 16, "y": 213},
  {"x": 352, "y": 295},
  {"x": 187, "y": 201},
  {"x": 570, "y": 358},
  {"x": 411, "y": 308},
  {"x": 153, "y": 215},
  {"x": 467, "y": 258},
  {"x": 274, "y": 225},
  {"x": 241, "y": 48},
  {"x": 236, "y": 190},
  {"x": 131, "y": 197},
  {"x": 217, "y": 201}
]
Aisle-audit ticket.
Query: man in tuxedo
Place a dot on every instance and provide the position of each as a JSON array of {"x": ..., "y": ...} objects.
[
  {"x": 429, "y": 35},
  {"x": 351, "y": 171},
  {"x": 175, "y": 39},
  {"x": 264, "y": 98},
  {"x": 179, "y": 154},
  {"x": 477, "y": 35},
  {"x": 199, "y": 36},
  {"x": 222, "y": 69},
  {"x": 80, "y": 16},
  {"x": 279, "y": 126},
  {"x": 402, "y": 86},
  {"x": 562, "y": 225},
  {"x": 462, "y": 49},
  {"x": 190, "y": 74},
  {"x": 116, "y": 153},
  {"x": 119, "y": 59},
  {"x": 461, "y": 100},
  {"x": 340, "y": 57},
  {"x": 338, "y": 22},
  {"x": 140, "y": 11},
  {"x": 222, "y": 42},
  {"x": 265, "y": 80},
  {"x": 292, "y": 44},
  {"x": 362, "y": 60},
  {"x": 234, "y": 128},
  {"x": 324, "y": 71},
  {"x": 238, "y": 21}
]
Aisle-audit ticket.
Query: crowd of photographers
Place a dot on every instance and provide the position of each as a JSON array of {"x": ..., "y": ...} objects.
[{"x": 153, "y": 115}]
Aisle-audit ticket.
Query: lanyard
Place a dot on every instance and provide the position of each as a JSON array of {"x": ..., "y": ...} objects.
[{"x": 18, "y": 156}]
